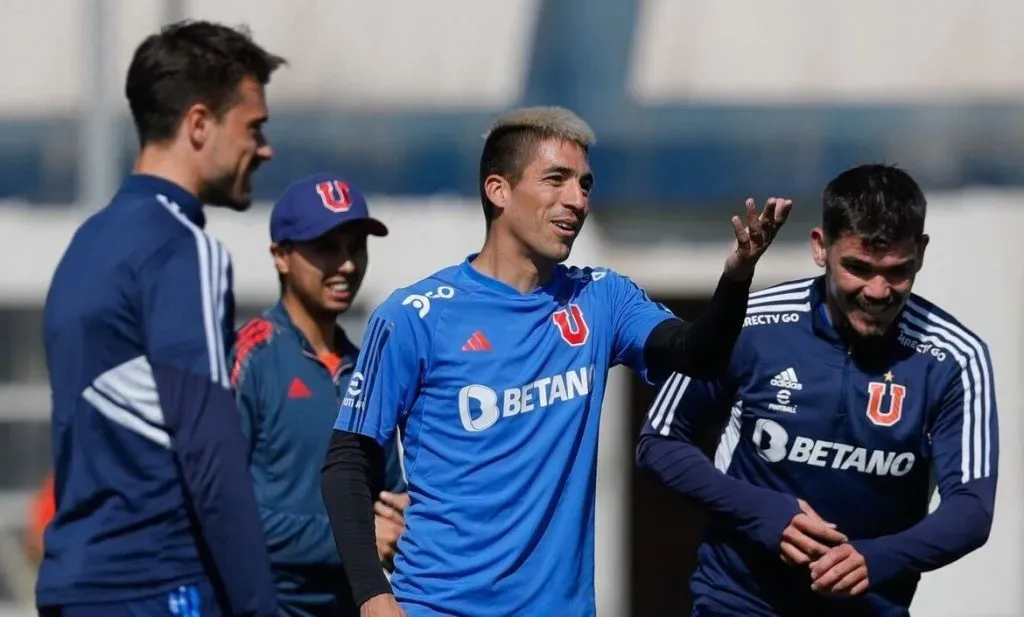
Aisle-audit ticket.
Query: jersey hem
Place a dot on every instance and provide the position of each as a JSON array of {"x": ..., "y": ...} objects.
[{"x": 106, "y": 595}]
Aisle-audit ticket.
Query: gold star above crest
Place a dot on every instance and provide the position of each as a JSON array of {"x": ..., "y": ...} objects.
[{"x": 888, "y": 376}]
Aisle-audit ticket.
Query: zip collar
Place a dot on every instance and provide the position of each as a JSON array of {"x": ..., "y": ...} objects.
[
  {"x": 279, "y": 316},
  {"x": 144, "y": 184},
  {"x": 824, "y": 326}
]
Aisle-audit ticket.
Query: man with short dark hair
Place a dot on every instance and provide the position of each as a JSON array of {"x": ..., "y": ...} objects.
[
  {"x": 155, "y": 510},
  {"x": 196, "y": 95},
  {"x": 846, "y": 397},
  {"x": 495, "y": 370}
]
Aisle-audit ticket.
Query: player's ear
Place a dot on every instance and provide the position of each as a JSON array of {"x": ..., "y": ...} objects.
[
  {"x": 921, "y": 246},
  {"x": 819, "y": 248},
  {"x": 498, "y": 190},
  {"x": 197, "y": 123},
  {"x": 279, "y": 252}
]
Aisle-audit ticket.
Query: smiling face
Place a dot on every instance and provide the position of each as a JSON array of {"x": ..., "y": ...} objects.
[
  {"x": 871, "y": 243},
  {"x": 196, "y": 94},
  {"x": 233, "y": 148},
  {"x": 325, "y": 273},
  {"x": 867, "y": 285},
  {"x": 544, "y": 210}
]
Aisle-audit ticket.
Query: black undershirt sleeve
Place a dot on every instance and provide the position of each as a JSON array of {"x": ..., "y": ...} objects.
[
  {"x": 353, "y": 473},
  {"x": 702, "y": 348}
]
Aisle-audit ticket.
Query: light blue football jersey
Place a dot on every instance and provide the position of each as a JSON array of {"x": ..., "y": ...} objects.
[{"x": 498, "y": 397}]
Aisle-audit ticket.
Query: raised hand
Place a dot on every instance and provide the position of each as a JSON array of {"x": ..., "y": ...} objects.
[{"x": 754, "y": 238}]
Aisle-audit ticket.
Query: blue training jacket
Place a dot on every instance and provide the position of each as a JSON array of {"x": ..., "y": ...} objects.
[
  {"x": 151, "y": 486},
  {"x": 289, "y": 399},
  {"x": 863, "y": 435}
]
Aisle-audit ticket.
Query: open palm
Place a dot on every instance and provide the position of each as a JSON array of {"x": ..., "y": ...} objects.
[{"x": 754, "y": 237}]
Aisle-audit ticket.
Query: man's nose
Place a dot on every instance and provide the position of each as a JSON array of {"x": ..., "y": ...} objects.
[
  {"x": 878, "y": 289},
  {"x": 574, "y": 196},
  {"x": 264, "y": 151}
]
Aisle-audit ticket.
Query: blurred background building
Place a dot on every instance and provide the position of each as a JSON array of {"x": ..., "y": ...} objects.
[{"x": 696, "y": 104}]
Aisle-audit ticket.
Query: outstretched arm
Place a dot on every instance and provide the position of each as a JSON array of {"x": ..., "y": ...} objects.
[
  {"x": 658, "y": 343},
  {"x": 701, "y": 348}
]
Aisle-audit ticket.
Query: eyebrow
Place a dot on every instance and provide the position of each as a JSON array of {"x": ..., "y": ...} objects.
[
  {"x": 850, "y": 260},
  {"x": 568, "y": 171},
  {"x": 561, "y": 169}
]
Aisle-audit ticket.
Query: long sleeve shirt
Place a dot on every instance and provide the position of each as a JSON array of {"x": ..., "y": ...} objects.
[
  {"x": 150, "y": 479},
  {"x": 860, "y": 433}
]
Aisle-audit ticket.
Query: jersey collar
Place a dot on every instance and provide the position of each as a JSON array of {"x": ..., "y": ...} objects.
[
  {"x": 279, "y": 315},
  {"x": 550, "y": 288},
  {"x": 824, "y": 328},
  {"x": 144, "y": 184},
  {"x": 820, "y": 319}
]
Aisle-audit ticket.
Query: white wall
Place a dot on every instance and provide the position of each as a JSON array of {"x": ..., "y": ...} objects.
[
  {"x": 799, "y": 51},
  {"x": 973, "y": 269},
  {"x": 454, "y": 54},
  {"x": 460, "y": 54}
]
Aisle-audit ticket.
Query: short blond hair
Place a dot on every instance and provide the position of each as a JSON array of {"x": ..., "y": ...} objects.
[
  {"x": 512, "y": 140},
  {"x": 550, "y": 122}
]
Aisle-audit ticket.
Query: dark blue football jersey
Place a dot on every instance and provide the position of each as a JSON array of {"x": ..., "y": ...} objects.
[
  {"x": 150, "y": 477},
  {"x": 863, "y": 436}
]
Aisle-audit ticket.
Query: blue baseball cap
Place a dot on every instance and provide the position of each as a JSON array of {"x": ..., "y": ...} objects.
[{"x": 313, "y": 206}]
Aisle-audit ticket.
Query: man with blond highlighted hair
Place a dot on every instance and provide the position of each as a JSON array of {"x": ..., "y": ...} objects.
[{"x": 495, "y": 370}]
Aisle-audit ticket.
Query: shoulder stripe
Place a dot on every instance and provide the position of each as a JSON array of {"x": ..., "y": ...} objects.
[
  {"x": 970, "y": 398},
  {"x": 784, "y": 287},
  {"x": 785, "y": 298},
  {"x": 782, "y": 297},
  {"x": 667, "y": 426},
  {"x": 368, "y": 369},
  {"x": 976, "y": 377},
  {"x": 125, "y": 418},
  {"x": 658, "y": 405},
  {"x": 213, "y": 266},
  {"x": 978, "y": 354},
  {"x": 223, "y": 291},
  {"x": 127, "y": 396},
  {"x": 256, "y": 332},
  {"x": 218, "y": 281},
  {"x": 730, "y": 439},
  {"x": 664, "y": 406}
]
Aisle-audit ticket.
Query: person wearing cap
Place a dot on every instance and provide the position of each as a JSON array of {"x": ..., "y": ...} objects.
[{"x": 290, "y": 368}]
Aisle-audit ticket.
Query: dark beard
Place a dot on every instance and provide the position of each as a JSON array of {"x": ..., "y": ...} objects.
[{"x": 220, "y": 194}]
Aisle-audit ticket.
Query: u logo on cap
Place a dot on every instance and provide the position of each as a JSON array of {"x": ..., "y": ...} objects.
[{"x": 334, "y": 195}]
